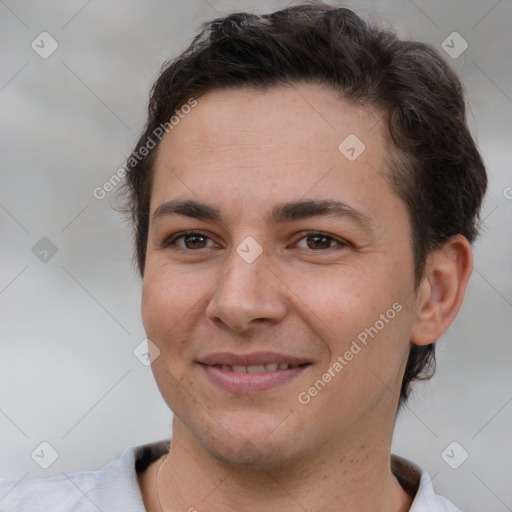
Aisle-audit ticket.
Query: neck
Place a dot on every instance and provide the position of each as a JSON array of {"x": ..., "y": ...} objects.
[{"x": 348, "y": 476}]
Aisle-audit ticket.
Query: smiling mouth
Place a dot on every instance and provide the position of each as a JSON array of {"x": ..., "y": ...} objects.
[{"x": 247, "y": 380}]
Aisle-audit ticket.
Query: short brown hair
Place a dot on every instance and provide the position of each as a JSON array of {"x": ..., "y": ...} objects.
[{"x": 437, "y": 170}]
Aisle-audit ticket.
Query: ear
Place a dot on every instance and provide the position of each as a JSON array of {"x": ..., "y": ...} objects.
[{"x": 442, "y": 289}]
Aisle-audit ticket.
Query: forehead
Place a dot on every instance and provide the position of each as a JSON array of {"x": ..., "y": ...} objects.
[
  {"x": 286, "y": 140},
  {"x": 284, "y": 114}
]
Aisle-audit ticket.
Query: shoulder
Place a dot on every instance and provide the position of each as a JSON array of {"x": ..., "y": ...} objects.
[
  {"x": 60, "y": 493},
  {"x": 444, "y": 505},
  {"x": 113, "y": 488}
]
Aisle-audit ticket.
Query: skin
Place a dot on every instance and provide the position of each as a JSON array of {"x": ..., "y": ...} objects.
[{"x": 245, "y": 151}]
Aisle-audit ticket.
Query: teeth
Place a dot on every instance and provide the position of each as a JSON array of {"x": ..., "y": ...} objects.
[{"x": 257, "y": 368}]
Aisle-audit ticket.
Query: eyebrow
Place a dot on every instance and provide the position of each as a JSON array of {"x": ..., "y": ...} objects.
[{"x": 285, "y": 212}]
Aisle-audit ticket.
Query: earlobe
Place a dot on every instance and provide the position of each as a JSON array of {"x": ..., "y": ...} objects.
[{"x": 442, "y": 290}]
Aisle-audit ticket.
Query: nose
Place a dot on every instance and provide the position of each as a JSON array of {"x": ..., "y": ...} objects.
[{"x": 247, "y": 294}]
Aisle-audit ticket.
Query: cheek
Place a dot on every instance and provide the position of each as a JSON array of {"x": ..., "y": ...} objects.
[
  {"x": 164, "y": 306},
  {"x": 165, "y": 300},
  {"x": 172, "y": 305},
  {"x": 153, "y": 305},
  {"x": 341, "y": 300},
  {"x": 363, "y": 307}
]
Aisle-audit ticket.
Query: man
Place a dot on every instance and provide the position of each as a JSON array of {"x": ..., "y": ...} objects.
[{"x": 304, "y": 197}]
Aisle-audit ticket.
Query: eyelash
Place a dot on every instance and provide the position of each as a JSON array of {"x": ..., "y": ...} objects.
[{"x": 171, "y": 241}]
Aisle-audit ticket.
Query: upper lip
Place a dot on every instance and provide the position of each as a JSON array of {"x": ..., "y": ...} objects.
[{"x": 256, "y": 358}]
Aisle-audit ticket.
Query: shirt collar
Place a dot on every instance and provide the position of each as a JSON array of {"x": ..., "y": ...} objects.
[
  {"x": 117, "y": 486},
  {"x": 416, "y": 482}
]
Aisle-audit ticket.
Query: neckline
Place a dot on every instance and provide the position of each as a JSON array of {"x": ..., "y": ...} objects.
[{"x": 407, "y": 473}]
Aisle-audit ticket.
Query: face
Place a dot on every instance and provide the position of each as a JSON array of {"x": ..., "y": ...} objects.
[{"x": 249, "y": 270}]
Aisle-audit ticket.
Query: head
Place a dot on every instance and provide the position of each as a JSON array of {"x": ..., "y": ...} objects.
[{"x": 255, "y": 110}]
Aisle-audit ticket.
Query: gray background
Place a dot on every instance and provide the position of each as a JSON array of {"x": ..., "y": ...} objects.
[{"x": 68, "y": 375}]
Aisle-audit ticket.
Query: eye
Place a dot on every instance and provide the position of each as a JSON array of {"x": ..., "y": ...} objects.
[
  {"x": 191, "y": 240},
  {"x": 321, "y": 241},
  {"x": 195, "y": 240}
]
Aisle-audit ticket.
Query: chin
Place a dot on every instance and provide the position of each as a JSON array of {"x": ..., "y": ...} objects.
[
  {"x": 252, "y": 441},
  {"x": 256, "y": 454}
]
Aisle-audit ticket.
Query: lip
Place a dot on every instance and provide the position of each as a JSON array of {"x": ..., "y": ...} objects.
[{"x": 248, "y": 383}]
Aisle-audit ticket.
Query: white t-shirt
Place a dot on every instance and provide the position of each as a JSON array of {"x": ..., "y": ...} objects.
[{"x": 115, "y": 488}]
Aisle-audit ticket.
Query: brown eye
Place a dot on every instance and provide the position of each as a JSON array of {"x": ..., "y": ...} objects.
[
  {"x": 320, "y": 241},
  {"x": 194, "y": 241},
  {"x": 191, "y": 241}
]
